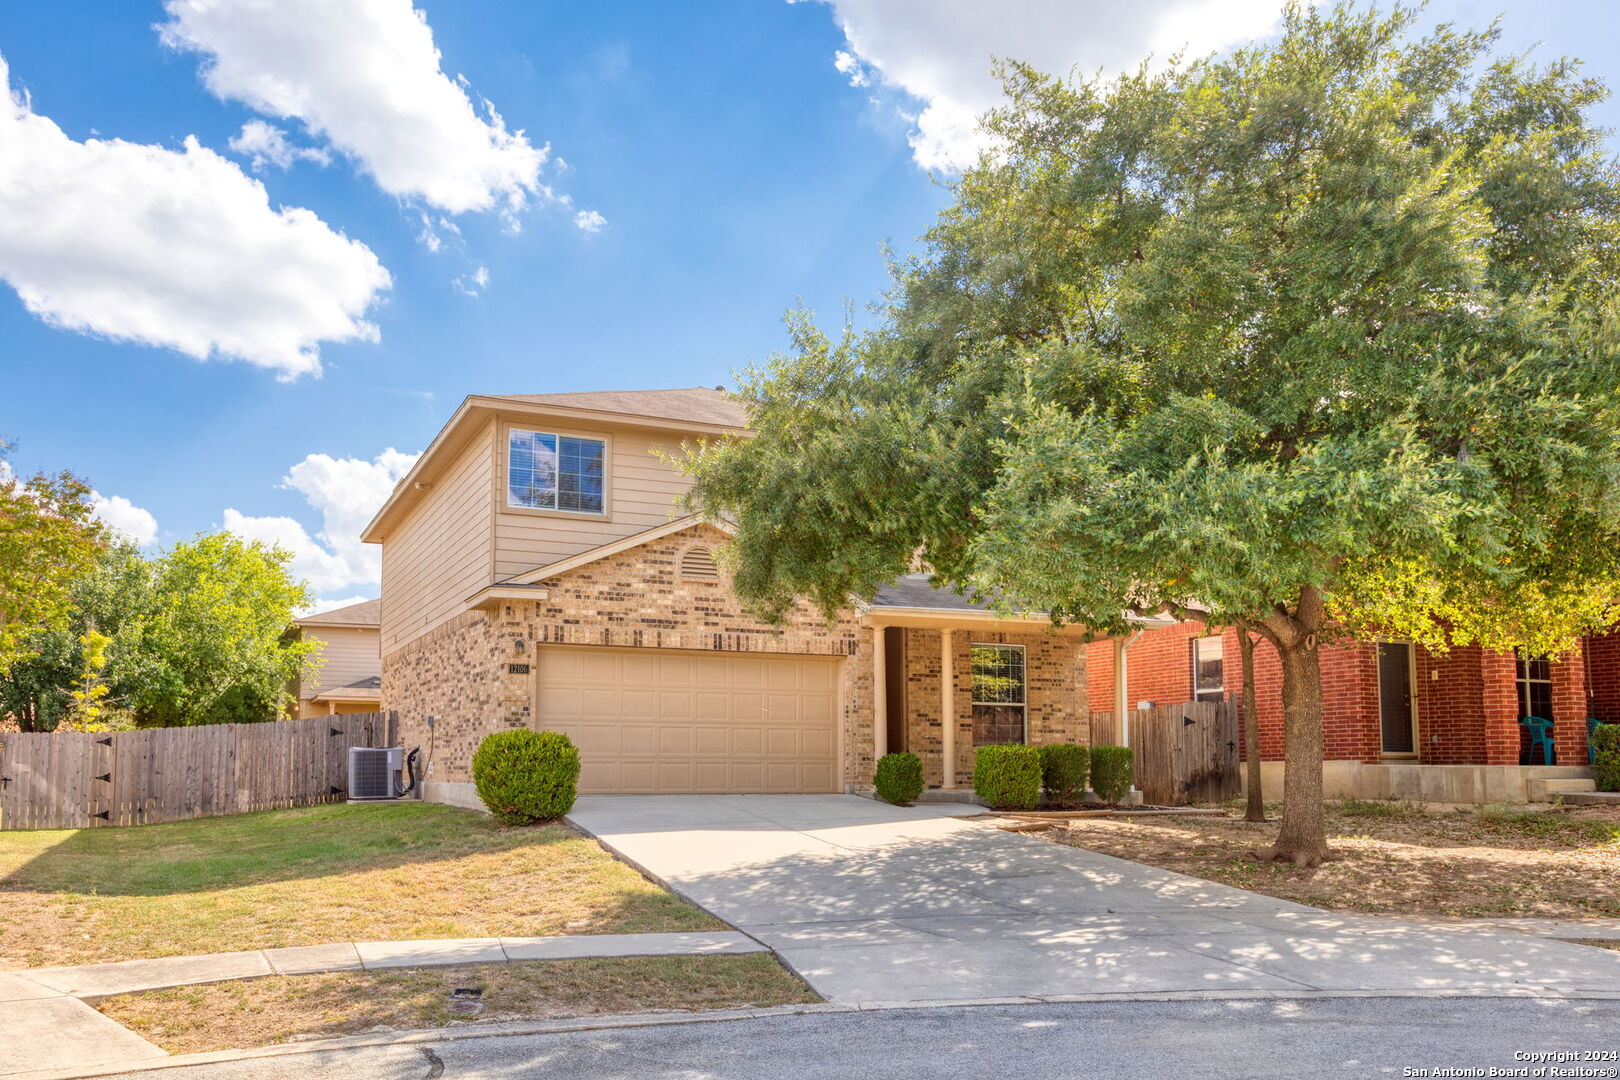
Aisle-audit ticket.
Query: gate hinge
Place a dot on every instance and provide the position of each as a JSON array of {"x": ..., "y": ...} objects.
[{"x": 107, "y": 776}]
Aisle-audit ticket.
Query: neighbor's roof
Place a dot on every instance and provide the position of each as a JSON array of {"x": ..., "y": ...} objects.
[
  {"x": 916, "y": 591},
  {"x": 692, "y": 404},
  {"x": 365, "y": 613},
  {"x": 370, "y": 682}
]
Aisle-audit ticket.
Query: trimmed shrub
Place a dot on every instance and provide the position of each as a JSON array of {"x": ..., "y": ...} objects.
[
  {"x": 526, "y": 776},
  {"x": 898, "y": 779},
  {"x": 1063, "y": 772},
  {"x": 1111, "y": 772},
  {"x": 1606, "y": 767},
  {"x": 1008, "y": 777}
]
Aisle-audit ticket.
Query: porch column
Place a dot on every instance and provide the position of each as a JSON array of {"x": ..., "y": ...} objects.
[
  {"x": 947, "y": 712},
  {"x": 1499, "y": 706},
  {"x": 880, "y": 694},
  {"x": 1569, "y": 706}
]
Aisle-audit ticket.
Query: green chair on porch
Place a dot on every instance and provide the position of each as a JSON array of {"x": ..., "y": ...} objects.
[{"x": 1541, "y": 738}]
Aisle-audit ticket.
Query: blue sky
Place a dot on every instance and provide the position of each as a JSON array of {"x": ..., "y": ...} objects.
[{"x": 710, "y": 165}]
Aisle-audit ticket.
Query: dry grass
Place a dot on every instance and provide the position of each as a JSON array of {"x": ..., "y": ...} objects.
[
  {"x": 1398, "y": 858},
  {"x": 308, "y": 876},
  {"x": 260, "y": 1012}
]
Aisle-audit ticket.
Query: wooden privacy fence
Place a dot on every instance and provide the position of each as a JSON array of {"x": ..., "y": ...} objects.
[
  {"x": 1183, "y": 753},
  {"x": 75, "y": 780}
]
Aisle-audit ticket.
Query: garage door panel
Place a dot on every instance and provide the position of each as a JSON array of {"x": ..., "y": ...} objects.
[
  {"x": 648, "y": 720},
  {"x": 712, "y": 742}
]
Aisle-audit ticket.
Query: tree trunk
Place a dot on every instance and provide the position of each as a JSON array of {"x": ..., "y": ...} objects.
[
  {"x": 1251, "y": 727},
  {"x": 1302, "y": 839}
]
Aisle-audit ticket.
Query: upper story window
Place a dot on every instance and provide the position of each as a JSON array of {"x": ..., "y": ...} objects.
[
  {"x": 1208, "y": 669},
  {"x": 554, "y": 472}
]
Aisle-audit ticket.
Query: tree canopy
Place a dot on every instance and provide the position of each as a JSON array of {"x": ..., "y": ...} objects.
[
  {"x": 48, "y": 538},
  {"x": 1319, "y": 335},
  {"x": 194, "y": 635}
]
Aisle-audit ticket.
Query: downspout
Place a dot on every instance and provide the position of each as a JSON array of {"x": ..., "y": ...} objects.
[{"x": 1122, "y": 695}]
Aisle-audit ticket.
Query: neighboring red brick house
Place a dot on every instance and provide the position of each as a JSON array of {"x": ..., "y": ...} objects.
[{"x": 1392, "y": 704}]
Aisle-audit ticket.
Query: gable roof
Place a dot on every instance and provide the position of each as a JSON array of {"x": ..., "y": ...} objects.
[
  {"x": 689, "y": 411},
  {"x": 691, "y": 404},
  {"x": 635, "y": 540},
  {"x": 365, "y": 613}
]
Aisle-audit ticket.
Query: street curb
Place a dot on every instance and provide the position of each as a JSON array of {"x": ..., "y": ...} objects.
[{"x": 521, "y": 1028}]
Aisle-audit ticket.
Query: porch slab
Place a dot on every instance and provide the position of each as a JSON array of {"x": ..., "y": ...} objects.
[{"x": 1462, "y": 784}]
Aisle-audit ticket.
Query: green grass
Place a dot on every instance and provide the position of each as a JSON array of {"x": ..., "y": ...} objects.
[
  {"x": 264, "y": 1011},
  {"x": 308, "y": 876}
]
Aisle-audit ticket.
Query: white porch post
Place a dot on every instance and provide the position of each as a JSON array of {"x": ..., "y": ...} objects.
[
  {"x": 1122, "y": 703},
  {"x": 947, "y": 711},
  {"x": 880, "y": 693}
]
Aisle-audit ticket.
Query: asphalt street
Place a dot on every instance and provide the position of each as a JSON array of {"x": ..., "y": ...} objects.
[{"x": 1343, "y": 1037}]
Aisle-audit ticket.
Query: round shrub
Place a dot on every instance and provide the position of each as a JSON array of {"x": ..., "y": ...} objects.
[
  {"x": 1063, "y": 773},
  {"x": 898, "y": 779},
  {"x": 1008, "y": 777},
  {"x": 1606, "y": 762},
  {"x": 1111, "y": 772},
  {"x": 526, "y": 776}
]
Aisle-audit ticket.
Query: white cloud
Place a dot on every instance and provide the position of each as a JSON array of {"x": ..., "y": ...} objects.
[
  {"x": 365, "y": 76},
  {"x": 346, "y": 492},
  {"x": 174, "y": 248},
  {"x": 472, "y": 284},
  {"x": 265, "y": 144},
  {"x": 940, "y": 52},
  {"x": 590, "y": 220},
  {"x": 119, "y": 513}
]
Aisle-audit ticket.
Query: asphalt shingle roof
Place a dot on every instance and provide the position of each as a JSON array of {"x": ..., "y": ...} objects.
[{"x": 695, "y": 404}]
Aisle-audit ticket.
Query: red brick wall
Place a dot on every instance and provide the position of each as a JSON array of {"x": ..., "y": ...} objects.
[
  {"x": 1467, "y": 700},
  {"x": 1160, "y": 668},
  {"x": 1603, "y": 677}
]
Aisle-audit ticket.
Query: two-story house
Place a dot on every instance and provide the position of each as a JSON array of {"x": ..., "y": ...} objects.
[
  {"x": 537, "y": 572},
  {"x": 349, "y": 679}
]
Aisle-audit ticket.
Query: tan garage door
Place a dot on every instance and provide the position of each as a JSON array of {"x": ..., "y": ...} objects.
[{"x": 655, "y": 720}]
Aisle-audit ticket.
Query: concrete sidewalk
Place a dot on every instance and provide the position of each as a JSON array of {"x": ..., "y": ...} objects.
[
  {"x": 873, "y": 903},
  {"x": 132, "y": 976},
  {"x": 45, "y": 1025}
]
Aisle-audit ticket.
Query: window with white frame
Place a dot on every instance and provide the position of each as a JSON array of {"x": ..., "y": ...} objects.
[
  {"x": 1535, "y": 685},
  {"x": 998, "y": 694},
  {"x": 1208, "y": 669},
  {"x": 545, "y": 471}
]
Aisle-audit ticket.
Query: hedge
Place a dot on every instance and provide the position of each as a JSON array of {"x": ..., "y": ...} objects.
[
  {"x": 899, "y": 778},
  {"x": 1606, "y": 766},
  {"x": 1111, "y": 772},
  {"x": 1063, "y": 773},
  {"x": 1008, "y": 777},
  {"x": 526, "y": 776}
]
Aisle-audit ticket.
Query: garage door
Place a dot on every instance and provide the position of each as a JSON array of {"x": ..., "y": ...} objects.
[{"x": 654, "y": 720}]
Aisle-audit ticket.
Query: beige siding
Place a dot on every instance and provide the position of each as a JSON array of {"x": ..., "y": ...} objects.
[
  {"x": 440, "y": 554},
  {"x": 349, "y": 654},
  {"x": 642, "y": 489}
]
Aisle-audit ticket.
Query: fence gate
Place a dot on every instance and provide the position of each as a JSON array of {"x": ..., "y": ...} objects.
[
  {"x": 74, "y": 780},
  {"x": 1182, "y": 753}
]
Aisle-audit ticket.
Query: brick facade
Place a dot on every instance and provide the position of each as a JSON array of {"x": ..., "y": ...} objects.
[
  {"x": 460, "y": 673},
  {"x": 1055, "y": 677},
  {"x": 1466, "y": 700}
]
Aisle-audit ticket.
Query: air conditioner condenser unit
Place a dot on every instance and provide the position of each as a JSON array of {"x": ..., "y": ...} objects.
[{"x": 375, "y": 772}]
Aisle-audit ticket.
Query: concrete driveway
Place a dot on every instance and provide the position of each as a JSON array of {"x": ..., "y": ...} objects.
[{"x": 874, "y": 903}]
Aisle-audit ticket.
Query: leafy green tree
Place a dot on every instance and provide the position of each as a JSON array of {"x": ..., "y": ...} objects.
[
  {"x": 213, "y": 645},
  {"x": 111, "y": 597},
  {"x": 48, "y": 539},
  {"x": 1319, "y": 336}
]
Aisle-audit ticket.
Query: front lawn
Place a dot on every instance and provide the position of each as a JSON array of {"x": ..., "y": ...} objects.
[
  {"x": 260, "y": 1012},
  {"x": 309, "y": 876},
  {"x": 1397, "y": 858}
]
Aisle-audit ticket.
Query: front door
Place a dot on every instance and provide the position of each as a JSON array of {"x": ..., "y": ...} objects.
[{"x": 1395, "y": 712}]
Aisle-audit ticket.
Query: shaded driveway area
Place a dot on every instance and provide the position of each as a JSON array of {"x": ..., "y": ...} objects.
[{"x": 873, "y": 903}]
